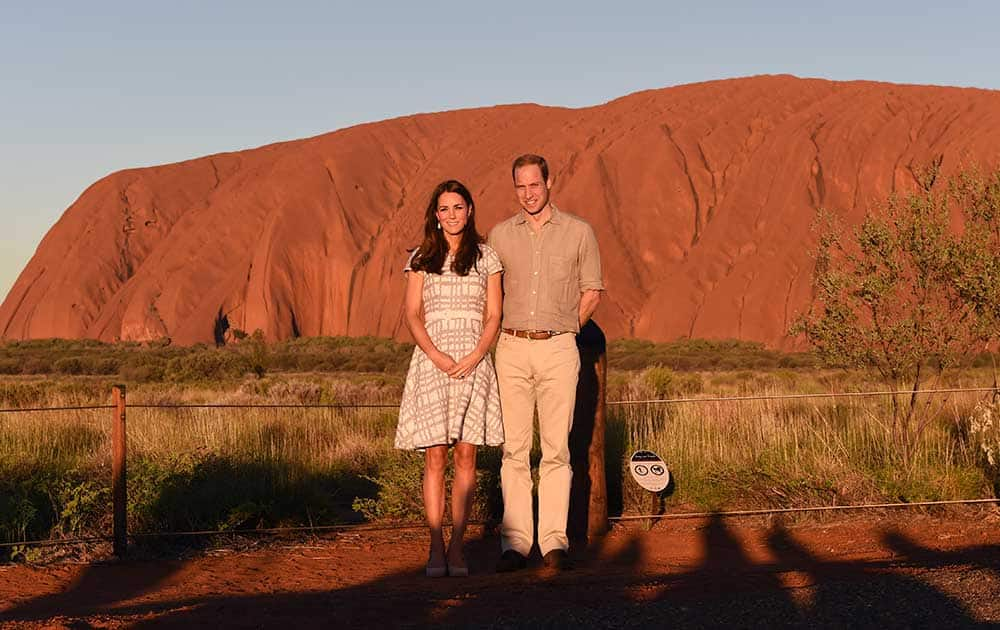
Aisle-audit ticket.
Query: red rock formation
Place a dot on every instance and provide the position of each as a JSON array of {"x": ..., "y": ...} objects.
[{"x": 701, "y": 195}]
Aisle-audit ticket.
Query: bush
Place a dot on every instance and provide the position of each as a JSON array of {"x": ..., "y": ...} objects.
[
  {"x": 400, "y": 489},
  {"x": 984, "y": 434},
  {"x": 661, "y": 382},
  {"x": 207, "y": 364},
  {"x": 70, "y": 365},
  {"x": 36, "y": 365},
  {"x": 140, "y": 369}
]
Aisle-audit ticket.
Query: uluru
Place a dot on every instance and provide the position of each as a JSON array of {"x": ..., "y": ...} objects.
[{"x": 702, "y": 197}]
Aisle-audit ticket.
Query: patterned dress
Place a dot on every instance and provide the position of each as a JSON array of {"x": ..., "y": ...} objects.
[{"x": 437, "y": 409}]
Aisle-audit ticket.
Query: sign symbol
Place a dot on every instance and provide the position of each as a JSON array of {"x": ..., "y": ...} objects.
[{"x": 649, "y": 471}]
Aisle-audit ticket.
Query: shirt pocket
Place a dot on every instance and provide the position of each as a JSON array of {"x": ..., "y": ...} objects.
[{"x": 558, "y": 288}]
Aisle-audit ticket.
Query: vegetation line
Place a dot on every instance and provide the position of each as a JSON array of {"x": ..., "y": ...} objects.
[
  {"x": 402, "y": 526},
  {"x": 57, "y": 542},
  {"x": 265, "y": 406},
  {"x": 818, "y": 508},
  {"x": 34, "y": 409},
  {"x": 610, "y": 402},
  {"x": 794, "y": 396},
  {"x": 303, "y": 528}
]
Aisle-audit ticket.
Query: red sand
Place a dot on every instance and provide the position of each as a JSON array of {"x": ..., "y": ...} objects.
[{"x": 905, "y": 569}]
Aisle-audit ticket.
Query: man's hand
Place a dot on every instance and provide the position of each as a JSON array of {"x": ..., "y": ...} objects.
[{"x": 465, "y": 366}]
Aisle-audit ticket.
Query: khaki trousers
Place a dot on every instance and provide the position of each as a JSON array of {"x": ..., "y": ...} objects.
[{"x": 542, "y": 372}]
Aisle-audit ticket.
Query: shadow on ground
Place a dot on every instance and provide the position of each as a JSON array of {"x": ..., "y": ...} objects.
[{"x": 612, "y": 587}]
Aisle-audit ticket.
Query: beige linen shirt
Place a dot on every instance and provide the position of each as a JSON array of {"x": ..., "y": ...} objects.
[{"x": 545, "y": 272}]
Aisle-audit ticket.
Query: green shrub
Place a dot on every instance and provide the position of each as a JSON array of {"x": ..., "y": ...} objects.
[
  {"x": 140, "y": 369},
  {"x": 36, "y": 365},
  {"x": 207, "y": 364},
  {"x": 400, "y": 488},
  {"x": 69, "y": 365},
  {"x": 661, "y": 382},
  {"x": 82, "y": 505}
]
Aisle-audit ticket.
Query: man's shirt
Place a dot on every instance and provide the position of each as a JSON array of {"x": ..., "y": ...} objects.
[{"x": 545, "y": 272}]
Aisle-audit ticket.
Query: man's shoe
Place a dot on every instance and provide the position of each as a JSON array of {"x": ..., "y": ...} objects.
[
  {"x": 510, "y": 560},
  {"x": 557, "y": 560}
]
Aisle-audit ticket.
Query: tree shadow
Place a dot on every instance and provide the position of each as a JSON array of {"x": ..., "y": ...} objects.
[
  {"x": 615, "y": 586},
  {"x": 865, "y": 593}
]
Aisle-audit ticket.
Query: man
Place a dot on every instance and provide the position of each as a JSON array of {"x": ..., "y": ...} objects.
[{"x": 552, "y": 284}]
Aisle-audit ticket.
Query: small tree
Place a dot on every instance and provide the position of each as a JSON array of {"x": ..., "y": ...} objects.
[
  {"x": 904, "y": 293},
  {"x": 257, "y": 352}
]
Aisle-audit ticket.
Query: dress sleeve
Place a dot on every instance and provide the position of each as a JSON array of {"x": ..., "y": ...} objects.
[
  {"x": 409, "y": 261},
  {"x": 491, "y": 260}
]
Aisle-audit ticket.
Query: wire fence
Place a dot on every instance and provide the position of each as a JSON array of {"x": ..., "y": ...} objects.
[
  {"x": 655, "y": 401},
  {"x": 120, "y": 535}
]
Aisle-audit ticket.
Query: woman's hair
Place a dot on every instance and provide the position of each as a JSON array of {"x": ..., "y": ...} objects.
[{"x": 433, "y": 250}]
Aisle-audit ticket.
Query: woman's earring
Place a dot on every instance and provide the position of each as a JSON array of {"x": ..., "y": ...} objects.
[{"x": 439, "y": 225}]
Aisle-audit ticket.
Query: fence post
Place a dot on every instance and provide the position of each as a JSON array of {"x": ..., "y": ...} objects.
[
  {"x": 588, "y": 506},
  {"x": 119, "y": 494},
  {"x": 598, "y": 522}
]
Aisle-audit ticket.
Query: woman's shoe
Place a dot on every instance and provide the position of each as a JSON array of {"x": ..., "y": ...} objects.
[{"x": 436, "y": 572}]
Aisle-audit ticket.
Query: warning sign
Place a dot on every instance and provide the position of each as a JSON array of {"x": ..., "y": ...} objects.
[{"x": 649, "y": 471}]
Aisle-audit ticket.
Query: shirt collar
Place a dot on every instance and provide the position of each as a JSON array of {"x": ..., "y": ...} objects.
[{"x": 522, "y": 216}]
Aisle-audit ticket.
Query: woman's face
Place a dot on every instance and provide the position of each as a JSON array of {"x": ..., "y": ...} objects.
[{"x": 452, "y": 213}]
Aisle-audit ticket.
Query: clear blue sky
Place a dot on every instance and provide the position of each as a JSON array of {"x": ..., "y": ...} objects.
[{"x": 88, "y": 88}]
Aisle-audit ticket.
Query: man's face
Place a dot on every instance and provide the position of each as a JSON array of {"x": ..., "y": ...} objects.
[{"x": 532, "y": 191}]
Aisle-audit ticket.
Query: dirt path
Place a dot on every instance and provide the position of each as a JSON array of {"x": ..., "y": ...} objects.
[{"x": 912, "y": 572}]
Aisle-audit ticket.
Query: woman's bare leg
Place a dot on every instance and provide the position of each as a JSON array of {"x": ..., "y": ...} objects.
[
  {"x": 462, "y": 490},
  {"x": 435, "y": 460}
]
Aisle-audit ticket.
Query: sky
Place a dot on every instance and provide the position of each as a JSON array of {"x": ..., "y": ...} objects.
[{"x": 89, "y": 88}]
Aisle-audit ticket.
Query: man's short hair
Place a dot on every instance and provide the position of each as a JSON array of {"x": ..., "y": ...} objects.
[{"x": 527, "y": 160}]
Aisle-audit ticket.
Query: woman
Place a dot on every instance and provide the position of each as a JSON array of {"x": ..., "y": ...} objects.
[{"x": 450, "y": 398}]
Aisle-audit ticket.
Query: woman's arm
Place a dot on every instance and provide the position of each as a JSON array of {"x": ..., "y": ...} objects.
[
  {"x": 414, "y": 311},
  {"x": 491, "y": 326}
]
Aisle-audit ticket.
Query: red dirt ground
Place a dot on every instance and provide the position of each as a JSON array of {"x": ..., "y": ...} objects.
[{"x": 904, "y": 571}]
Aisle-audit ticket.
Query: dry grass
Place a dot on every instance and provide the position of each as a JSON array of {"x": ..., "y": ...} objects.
[{"x": 248, "y": 467}]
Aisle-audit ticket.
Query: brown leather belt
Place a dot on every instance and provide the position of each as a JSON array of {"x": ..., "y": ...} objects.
[{"x": 533, "y": 334}]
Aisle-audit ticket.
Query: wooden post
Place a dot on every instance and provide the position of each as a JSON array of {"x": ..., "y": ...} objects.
[
  {"x": 597, "y": 524},
  {"x": 119, "y": 495},
  {"x": 588, "y": 507}
]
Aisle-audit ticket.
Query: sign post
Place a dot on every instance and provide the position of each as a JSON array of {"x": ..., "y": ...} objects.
[
  {"x": 588, "y": 511},
  {"x": 119, "y": 497},
  {"x": 652, "y": 474}
]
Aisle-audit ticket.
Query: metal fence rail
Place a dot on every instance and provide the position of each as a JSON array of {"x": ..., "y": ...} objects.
[
  {"x": 120, "y": 535},
  {"x": 656, "y": 401}
]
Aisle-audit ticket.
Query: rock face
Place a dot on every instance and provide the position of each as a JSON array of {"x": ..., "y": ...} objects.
[{"x": 702, "y": 197}]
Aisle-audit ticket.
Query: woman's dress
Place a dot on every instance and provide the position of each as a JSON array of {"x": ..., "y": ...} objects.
[{"x": 437, "y": 409}]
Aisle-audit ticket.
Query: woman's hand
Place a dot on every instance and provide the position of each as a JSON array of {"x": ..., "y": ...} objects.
[
  {"x": 465, "y": 366},
  {"x": 443, "y": 362}
]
